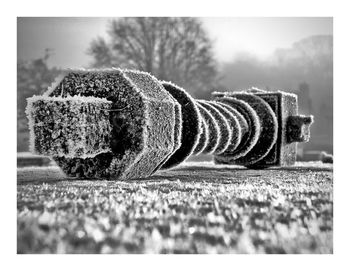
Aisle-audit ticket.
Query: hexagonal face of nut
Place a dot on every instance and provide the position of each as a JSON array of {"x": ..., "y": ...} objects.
[{"x": 142, "y": 116}]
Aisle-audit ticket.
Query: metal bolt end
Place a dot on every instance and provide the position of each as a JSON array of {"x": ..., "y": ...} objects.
[{"x": 298, "y": 128}]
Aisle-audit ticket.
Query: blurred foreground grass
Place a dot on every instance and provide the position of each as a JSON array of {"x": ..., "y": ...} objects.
[{"x": 196, "y": 208}]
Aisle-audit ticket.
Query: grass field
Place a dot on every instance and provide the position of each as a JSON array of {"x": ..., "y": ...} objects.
[{"x": 196, "y": 208}]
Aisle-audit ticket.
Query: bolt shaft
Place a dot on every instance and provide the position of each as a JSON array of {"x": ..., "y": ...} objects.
[{"x": 240, "y": 127}]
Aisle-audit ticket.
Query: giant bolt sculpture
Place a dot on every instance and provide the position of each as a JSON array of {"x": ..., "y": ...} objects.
[{"x": 125, "y": 124}]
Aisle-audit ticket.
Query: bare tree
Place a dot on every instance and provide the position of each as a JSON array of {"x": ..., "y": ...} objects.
[{"x": 173, "y": 49}]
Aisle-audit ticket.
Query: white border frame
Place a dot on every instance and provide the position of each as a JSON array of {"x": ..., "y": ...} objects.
[{"x": 336, "y": 9}]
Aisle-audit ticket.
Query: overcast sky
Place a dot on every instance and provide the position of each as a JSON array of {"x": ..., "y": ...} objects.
[{"x": 70, "y": 37}]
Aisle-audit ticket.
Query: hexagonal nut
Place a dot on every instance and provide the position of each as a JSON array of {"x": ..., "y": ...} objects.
[{"x": 142, "y": 116}]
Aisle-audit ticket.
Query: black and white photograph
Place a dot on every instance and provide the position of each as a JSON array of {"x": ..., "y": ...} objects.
[
  {"x": 179, "y": 136},
  {"x": 174, "y": 135}
]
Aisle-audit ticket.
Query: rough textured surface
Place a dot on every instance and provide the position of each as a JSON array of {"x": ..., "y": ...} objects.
[
  {"x": 142, "y": 118},
  {"x": 224, "y": 127},
  {"x": 250, "y": 138},
  {"x": 243, "y": 124},
  {"x": 236, "y": 134},
  {"x": 195, "y": 208},
  {"x": 268, "y": 124},
  {"x": 214, "y": 135},
  {"x": 299, "y": 128},
  {"x": 71, "y": 127},
  {"x": 203, "y": 137},
  {"x": 191, "y": 125},
  {"x": 94, "y": 167},
  {"x": 284, "y": 105},
  {"x": 177, "y": 134}
]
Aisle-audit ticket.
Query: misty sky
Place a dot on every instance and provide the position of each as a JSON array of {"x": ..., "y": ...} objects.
[{"x": 70, "y": 37}]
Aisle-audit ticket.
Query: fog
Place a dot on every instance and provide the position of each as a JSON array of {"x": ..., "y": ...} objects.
[{"x": 291, "y": 54}]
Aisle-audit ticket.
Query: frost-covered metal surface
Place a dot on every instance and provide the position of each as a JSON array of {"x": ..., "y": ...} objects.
[
  {"x": 144, "y": 117},
  {"x": 158, "y": 125},
  {"x": 195, "y": 208},
  {"x": 72, "y": 127}
]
